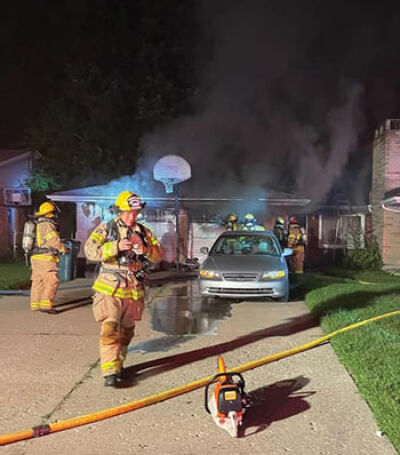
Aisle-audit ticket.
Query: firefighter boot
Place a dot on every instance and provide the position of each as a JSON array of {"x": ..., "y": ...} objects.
[{"x": 111, "y": 380}]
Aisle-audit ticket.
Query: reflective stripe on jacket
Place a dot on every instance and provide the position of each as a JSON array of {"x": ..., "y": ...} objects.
[
  {"x": 295, "y": 238},
  {"x": 115, "y": 278},
  {"x": 47, "y": 236}
]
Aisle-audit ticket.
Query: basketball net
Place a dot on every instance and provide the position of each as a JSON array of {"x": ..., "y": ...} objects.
[{"x": 169, "y": 185}]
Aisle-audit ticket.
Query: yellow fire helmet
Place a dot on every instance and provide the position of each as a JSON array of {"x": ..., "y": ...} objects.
[
  {"x": 127, "y": 200},
  {"x": 46, "y": 208},
  {"x": 249, "y": 217}
]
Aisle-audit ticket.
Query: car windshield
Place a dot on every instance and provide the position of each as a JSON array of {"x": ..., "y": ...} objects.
[{"x": 246, "y": 245}]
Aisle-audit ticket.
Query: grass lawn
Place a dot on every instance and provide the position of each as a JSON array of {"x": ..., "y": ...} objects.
[
  {"x": 371, "y": 353},
  {"x": 14, "y": 275}
]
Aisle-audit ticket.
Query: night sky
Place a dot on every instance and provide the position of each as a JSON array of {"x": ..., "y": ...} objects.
[{"x": 288, "y": 93}]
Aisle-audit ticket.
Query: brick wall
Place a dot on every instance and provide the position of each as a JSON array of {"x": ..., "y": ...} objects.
[
  {"x": 3, "y": 231},
  {"x": 378, "y": 183},
  {"x": 391, "y": 239},
  {"x": 385, "y": 177}
]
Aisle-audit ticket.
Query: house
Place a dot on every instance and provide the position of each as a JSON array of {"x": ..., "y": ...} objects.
[
  {"x": 15, "y": 197},
  {"x": 331, "y": 226},
  {"x": 199, "y": 219}
]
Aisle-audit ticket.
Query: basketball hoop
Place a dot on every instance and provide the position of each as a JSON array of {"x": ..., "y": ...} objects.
[{"x": 170, "y": 170}]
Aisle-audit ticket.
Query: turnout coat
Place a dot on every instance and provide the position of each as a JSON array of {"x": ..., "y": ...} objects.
[{"x": 116, "y": 278}]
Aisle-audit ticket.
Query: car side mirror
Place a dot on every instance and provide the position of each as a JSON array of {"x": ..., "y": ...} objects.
[
  {"x": 287, "y": 252},
  {"x": 204, "y": 250}
]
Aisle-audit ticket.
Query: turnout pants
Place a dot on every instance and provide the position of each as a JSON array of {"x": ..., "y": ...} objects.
[
  {"x": 298, "y": 259},
  {"x": 117, "y": 317},
  {"x": 45, "y": 282}
]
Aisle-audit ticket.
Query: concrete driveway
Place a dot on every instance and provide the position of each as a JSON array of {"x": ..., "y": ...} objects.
[{"x": 306, "y": 404}]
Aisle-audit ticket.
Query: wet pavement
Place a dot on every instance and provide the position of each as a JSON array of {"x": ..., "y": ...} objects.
[
  {"x": 305, "y": 404},
  {"x": 185, "y": 312},
  {"x": 182, "y": 314}
]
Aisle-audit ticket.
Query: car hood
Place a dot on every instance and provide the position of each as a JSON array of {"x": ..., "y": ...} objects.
[{"x": 244, "y": 263}]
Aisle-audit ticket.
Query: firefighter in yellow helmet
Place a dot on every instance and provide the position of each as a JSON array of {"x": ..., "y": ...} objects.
[
  {"x": 297, "y": 240},
  {"x": 250, "y": 223},
  {"x": 123, "y": 246},
  {"x": 44, "y": 260}
]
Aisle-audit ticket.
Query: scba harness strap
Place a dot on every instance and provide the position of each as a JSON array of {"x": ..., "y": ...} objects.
[{"x": 114, "y": 235}]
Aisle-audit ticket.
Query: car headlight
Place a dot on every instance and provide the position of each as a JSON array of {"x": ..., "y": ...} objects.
[
  {"x": 209, "y": 275},
  {"x": 274, "y": 275}
]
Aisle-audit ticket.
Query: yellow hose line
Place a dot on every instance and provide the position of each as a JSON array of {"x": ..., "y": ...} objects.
[
  {"x": 367, "y": 283},
  {"x": 147, "y": 401}
]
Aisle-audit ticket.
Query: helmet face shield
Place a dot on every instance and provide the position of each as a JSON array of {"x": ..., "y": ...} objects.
[
  {"x": 127, "y": 201},
  {"x": 135, "y": 202},
  {"x": 249, "y": 219}
]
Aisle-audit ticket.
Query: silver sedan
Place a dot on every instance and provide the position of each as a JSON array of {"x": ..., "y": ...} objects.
[{"x": 243, "y": 264}]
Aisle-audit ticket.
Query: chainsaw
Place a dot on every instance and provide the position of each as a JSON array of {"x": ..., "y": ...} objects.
[{"x": 228, "y": 401}]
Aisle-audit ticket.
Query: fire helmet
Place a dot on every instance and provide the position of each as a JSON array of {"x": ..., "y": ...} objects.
[
  {"x": 46, "y": 209},
  {"x": 232, "y": 217},
  {"x": 127, "y": 201},
  {"x": 293, "y": 220},
  {"x": 280, "y": 220}
]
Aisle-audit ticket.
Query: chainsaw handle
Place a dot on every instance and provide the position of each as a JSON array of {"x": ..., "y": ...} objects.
[{"x": 240, "y": 384}]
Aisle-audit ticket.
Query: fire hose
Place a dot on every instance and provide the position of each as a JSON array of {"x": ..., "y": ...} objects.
[{"x": 43, "y": 430}]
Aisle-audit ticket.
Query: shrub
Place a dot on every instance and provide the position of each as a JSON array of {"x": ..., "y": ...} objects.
[{"x": 367, "y": 258}]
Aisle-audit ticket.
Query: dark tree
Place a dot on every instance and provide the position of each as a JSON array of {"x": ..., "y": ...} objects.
[{"x": 109, "y": 71}]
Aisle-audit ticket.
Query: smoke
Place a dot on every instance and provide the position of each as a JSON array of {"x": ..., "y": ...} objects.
[{"x": 272, "y": 113}]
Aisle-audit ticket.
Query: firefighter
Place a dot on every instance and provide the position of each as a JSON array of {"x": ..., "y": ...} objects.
[
  {"x": 297, "y": 240},
  {"x": 280, "y": 231},
  {"x": 250, "y": 223},
  {"x": 231, "y": 222},
  {"x": 44, "y": 260},
  {"x": 123, "y": 247}
]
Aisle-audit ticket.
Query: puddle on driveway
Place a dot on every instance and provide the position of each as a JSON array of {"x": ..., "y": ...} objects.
[
  {"x": 180, "y": 315},
  {"x": 184, "y": 312}
]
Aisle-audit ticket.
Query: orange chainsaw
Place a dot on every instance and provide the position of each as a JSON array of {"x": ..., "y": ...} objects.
[{"x": 228, "y": 401}]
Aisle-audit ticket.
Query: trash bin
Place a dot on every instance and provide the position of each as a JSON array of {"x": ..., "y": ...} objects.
[{"x": 67, "y": 265}]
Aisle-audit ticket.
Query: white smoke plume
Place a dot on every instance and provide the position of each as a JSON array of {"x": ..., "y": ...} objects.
[{"x": 268, "y": 117}]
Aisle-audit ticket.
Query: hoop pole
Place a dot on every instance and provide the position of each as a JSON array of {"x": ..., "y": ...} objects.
[{"x": 176, "y": 229}]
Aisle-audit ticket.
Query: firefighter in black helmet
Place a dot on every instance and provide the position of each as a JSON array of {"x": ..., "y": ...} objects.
[
  {"x": 231, "y": 222},
  {"x": 280, "y": 231}
]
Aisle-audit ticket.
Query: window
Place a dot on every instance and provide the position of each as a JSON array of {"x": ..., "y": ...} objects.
[
  {"x": 395, "y": 124},
  {"x": 341, "y": 231},
  {"x": 246, "y": 245}
]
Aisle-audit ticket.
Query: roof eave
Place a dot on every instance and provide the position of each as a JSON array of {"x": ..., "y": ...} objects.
[
  {"x": 16, "y": 158},
  {"x": 92, "y": 198}
]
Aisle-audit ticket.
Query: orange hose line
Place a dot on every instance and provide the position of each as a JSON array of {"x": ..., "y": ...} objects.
[{"x": 171, "y": 393}]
